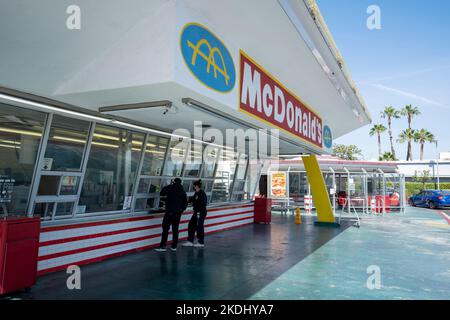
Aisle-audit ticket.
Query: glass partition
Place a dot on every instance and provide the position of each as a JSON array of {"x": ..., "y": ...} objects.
[
  {"x": 21, "y": 131},
  {"x": 194, "y": 161},
  {"x": 66, "y": 143},
  {"x": 254, "y": 170},
  {"x": 239, "y": 181},
  {"x": 175, "y": 159},
  {"x": 155, "y": 153},
  {"x": 111, "y": 170},
  {"x": 210, "y": 156},
  {"x": 224, "y": 176}
]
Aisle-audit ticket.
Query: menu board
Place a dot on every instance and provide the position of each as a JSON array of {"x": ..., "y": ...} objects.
[
  {"x": 278, "y": 184},
  {"x": 6, "y": 189}
]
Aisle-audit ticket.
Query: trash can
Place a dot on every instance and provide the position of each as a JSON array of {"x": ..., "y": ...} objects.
[
  {"x": 263, "y": 210},
  {"x": 19, "y": 245}
]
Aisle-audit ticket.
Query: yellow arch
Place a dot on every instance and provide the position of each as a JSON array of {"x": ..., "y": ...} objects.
[{"x": 210, "y": 58}]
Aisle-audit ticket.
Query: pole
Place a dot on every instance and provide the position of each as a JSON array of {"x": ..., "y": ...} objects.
[{"x": 437, "y": 166}]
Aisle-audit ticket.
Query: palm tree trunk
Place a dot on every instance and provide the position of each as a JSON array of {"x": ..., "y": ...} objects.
[
  {"x": 409, "y": 152},
  {"x": 379, "y": 146},
  {"x": 390, "y": 138},
  {"x": 421, "y": 151}
]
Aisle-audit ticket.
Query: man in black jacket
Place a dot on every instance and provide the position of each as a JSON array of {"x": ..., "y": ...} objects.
[
  {"x": 197, "y": 222},
  {"x": 175, "y": 199}
]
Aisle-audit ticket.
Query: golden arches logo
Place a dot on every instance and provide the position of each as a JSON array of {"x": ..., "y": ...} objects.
[{"x": 210, "y": 58}]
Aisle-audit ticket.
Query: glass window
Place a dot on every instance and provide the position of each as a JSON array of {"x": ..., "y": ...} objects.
[
  {"x": 66, "y": 142},
  {"x": 186, "y": 185},
  {"x": 149, "y": 185},
  {"x": 45, "y": 210},
  {"x": 145, "y": 203},
  {"x": 69, "y": 185},
  {"x": 254, "y": 170},
  {"x": 64, "y": 209},
  {"x": 111, "y": 169},
  {"x": 48, "y": 186},
  {"x": 242, "y": 167},
  {"x": 193, "y": 161},
  {"x": 175, "y": 158},
  {"x": 224, "y": 177},
  {"x": 209, "y": 162},
  {"x": 155, "y": 152},
  {"x": 237, "y": 197},
  {"x": 207, "y": 185},
  {"x": 20, "y": 135}
]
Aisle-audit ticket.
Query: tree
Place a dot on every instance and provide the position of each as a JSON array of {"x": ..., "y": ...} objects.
[
  {"x": 387, "y": 156},
  {"x": 378, "y": 129},
  {"x": 422, "y": 176},
  {"x": 409, "y": 112},
  {"x": 421, "y": 137},
  {"x": 344, "y": 152},
  {"x": 407, "y": 136},
  {"x": 390, "y": 113}
]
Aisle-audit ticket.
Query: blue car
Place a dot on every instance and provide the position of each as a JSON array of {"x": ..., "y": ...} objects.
[{"x": 431, "y": 199}]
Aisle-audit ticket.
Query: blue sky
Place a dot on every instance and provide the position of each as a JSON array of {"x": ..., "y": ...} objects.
[{"x": 406, "y": 62}]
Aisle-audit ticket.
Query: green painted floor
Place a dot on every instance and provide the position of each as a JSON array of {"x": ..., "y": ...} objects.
[{"x": 412, "y": 252}]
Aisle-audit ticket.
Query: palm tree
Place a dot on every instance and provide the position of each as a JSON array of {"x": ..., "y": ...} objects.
[
  {"x": 423, "y": 136},
  {"x": 387, "y": 156},
  {"x": 410, "y": 112},
  {"x": 407, "y": 136},
  {"x": 378, "y": 129},
  {"x": 390, "y": 113}
]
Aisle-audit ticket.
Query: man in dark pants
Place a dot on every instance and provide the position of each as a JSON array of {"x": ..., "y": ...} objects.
[
  {"x": 175, "y": 203},
  {"x": 197, "y": 222}
]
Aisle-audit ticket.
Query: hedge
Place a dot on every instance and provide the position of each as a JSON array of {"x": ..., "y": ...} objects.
[{"x": 416, "y": 187}]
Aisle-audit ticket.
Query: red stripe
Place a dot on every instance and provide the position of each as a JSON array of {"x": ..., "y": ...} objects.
[
  {"x": 96, "y": 235},
  {"x": 118, "y": 254},
  {"x": 110, "y": 233},
  {"x": 445, "y": 216},
  {"x": 115, "y": 243},
  {"x": 105, "y": 222}
]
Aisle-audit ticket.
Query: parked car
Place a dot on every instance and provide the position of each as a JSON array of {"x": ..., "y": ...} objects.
[{"x": 431, "y": 199}]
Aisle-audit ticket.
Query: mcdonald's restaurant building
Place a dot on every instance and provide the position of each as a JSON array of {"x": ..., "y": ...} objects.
[{"x": 95, "y": 100}]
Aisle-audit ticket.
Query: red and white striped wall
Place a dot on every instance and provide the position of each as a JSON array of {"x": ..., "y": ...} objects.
[{"x": 61, "y": 246}]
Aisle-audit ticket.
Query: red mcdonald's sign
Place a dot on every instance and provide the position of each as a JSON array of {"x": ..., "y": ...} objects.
[{"x": 263, "y": 97}]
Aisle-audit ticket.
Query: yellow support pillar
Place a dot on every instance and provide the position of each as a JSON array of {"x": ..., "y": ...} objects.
[{"x": 325, "y": 214}]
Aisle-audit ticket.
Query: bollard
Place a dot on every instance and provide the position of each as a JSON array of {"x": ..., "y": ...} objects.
[{"x": 298, "y": 217}]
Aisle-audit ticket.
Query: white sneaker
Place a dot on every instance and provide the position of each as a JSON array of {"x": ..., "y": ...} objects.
[
  {"x": 187, "y": 244},
  {"x": 160, "y": 250},
  {"x": 199, "y": 245},
  {"x": 173, "y": 249}
]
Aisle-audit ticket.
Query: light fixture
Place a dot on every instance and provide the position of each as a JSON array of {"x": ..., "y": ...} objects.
[
  {"x": 51, "y": 108},
  {"x": 134, "y": 106},
  {"x": 24, "y": 132},
  {"x": 10, "y": 146}
]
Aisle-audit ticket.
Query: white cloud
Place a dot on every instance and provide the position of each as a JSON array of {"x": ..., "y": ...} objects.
[
  {"x": 407, "y": 74},
  {"x": 410, "y": 95}
]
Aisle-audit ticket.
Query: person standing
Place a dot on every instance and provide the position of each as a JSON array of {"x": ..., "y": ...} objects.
[
  {"x": 175, "y": 199},
  {"x": 197, "y": 222}
]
